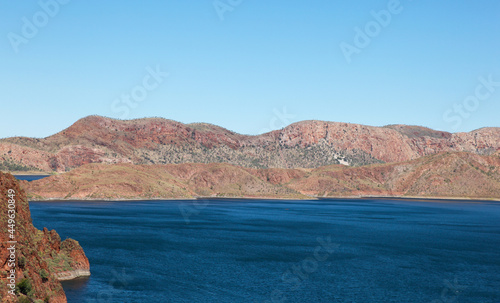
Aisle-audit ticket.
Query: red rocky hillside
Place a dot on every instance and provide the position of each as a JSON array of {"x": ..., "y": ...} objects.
[
  {"x": 443, "y": 175},
  {"x": 306, "y": 144},
  {"x": 41, "y": 259}
]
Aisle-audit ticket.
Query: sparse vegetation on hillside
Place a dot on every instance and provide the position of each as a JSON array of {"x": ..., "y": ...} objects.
[
  {"x": 441, "y": 175},
  {"x": 9, "y": 165},
  {"x": 306, "y": 144}
]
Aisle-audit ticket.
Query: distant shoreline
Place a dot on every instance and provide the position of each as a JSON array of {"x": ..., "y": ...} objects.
[
  {"x": 425, "y": 199},
  {"x": 28, "y": 173}
]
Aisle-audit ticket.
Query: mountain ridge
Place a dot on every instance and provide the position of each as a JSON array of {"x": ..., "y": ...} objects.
[{"x": 308, "y": 144}]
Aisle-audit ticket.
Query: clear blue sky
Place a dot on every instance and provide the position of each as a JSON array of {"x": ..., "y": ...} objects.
[{"x": 264, "y": 57}]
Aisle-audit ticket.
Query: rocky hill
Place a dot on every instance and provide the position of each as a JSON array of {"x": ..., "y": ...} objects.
[
  {"x": 444, "y": 175},
  {"x": 41, "y": 259},
  {"x": 306, "y": 144},
  {"x": 104, "y": 181}
]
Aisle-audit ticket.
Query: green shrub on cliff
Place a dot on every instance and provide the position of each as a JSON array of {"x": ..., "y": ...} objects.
[
  {"x": 24, "y": 287},
  {"x": 44, "y": 275},
  {"x": 22, "y": 262}
]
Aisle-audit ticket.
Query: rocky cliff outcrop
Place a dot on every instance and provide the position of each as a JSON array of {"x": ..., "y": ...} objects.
[
  {"x": 444, "y": 175},
  {"x": 306, "y": 144},
  {"x": 34, "y": 262}
]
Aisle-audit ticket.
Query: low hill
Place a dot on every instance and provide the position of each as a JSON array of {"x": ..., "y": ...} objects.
[
  {"x": 129, "y": 181},
  {"x": 444, "y": 175}
]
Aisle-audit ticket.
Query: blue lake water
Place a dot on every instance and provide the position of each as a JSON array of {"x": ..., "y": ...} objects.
[
  {"x": 362, "y": 250},
  {"x": 30, "y": 178}
]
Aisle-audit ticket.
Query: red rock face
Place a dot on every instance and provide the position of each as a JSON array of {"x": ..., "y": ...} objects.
[
  {"x": 386, "y": 143},
  {"x": 156, "y": 141},
  {"x": 78, "y": 155},
  {"x": 383, "y": 144},
  {"x": 40, "y": 255}
]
